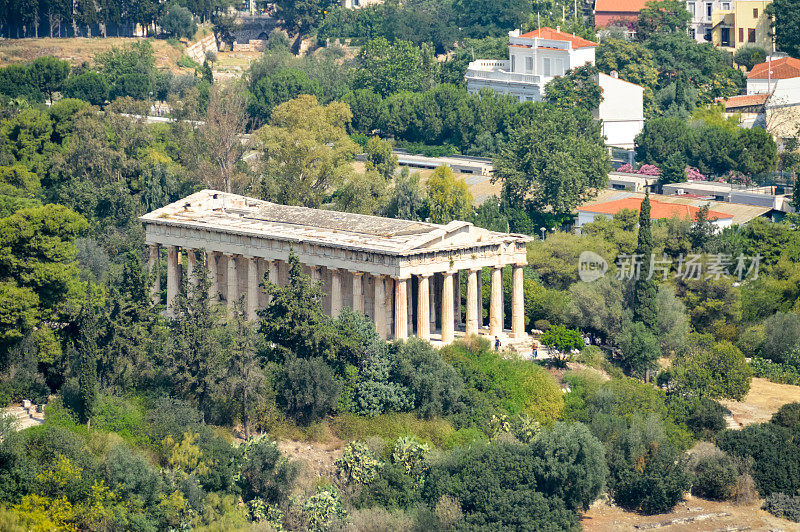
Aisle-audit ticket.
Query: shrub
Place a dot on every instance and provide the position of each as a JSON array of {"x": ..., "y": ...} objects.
[
  {"x": 266, "y": 474},
  {"x": 720, "y": 372},
  {"x": 391, "y": 489},
  {"x": 715, "y": 477},
  {"x": 782, "y": 505},
  {"x": 376, "y": 520},
  {"x": 781, "y": 336},
  {"x": 434, "y": 384},
  {"x": 655, "y": 488},
  {"x": 178, "y": 22},
  {"x": 706, "y": 418},
  {"x": 496, "y": 487},
  {"x": 780, "y": 373},
  {"x": 788, "y": 416},
  {"x": 542, "y": 325},
  {"x": 411, "y": 455},
  {"x": 324, "y": 509},
  {"x": 307, "y": 388},
  {"x": 775, "y": 453},
  {"x": 493, "y": 382}
]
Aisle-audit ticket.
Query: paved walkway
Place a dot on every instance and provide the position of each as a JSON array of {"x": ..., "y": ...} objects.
[{"x": 24, "y": 417}]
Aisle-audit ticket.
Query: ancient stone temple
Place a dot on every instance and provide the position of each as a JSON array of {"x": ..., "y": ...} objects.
[{"x": 404, "y": 275}]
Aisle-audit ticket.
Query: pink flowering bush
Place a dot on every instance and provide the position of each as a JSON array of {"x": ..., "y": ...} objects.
[
  {"x": 737, "y": 178},
  {"x": 693, "y": 174},
  {"x": 648, "y": 169},
  {"x": 645, "y": 169}
]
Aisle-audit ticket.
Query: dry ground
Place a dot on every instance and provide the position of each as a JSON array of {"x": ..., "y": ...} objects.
[
  {"x": 81, "y": 49},
  {"x": 763, "y": 400},
  {"x": 692, "y": 515}
]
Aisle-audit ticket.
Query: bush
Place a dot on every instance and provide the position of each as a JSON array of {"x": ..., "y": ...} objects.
[
  {"x": 749, "y": 56},
  {"x": 655, "y": 487},
  {"x": 720, "y": 372},
  {"x": 775, "y": 451},
  {"x": 357, "y": 464},
  {"x": 391, "y": 489},
  {"x": 178, "y": 22},
  {"x": 782, "y": 505},
  {"x": 266, "y": 474},
  {"x": 788, "y": 416},
  {"x": 542, "y": 325},
  {"x": 706, "y": 418},
  {"x": 715, "y": 477},
  {"x": 434, "y": 384},
  {"x": 780, "y": 373},
  {"x": 781, "y": 336},
  {"x": 136, "y": 86},
  {"x": 307, "y": 388}
]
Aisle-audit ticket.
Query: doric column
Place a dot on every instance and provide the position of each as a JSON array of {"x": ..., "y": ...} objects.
[
  {"x": 358, "y": 292},
  {"x": 155, "y": 280},
  {"x": 191, "y": 266},
  {"x": 496, "y": 302},
  {"x": 517, "y": 303},
  {"x": 401, "y": 308},
  {"x": 447, "y": 307},
  {"x": 315, "y": 274},
  {"x": 457, "y": 298},
  {"x": 472, "y": 302},
  {"x": 433, "y": 288},
  {"x": 233, "y": 281},
  {"x": 380, "y": 306},
  {"x": 173, "y": 278},
  {"x": 336, "y": 292},
  {"x": 213, "y": 285},
  {"x": 423, "y": 307},
  {"x": 252, "y": 288}
]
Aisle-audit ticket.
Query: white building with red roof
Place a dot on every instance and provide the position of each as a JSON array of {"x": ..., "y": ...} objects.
[{"x": 537, "y": 57}]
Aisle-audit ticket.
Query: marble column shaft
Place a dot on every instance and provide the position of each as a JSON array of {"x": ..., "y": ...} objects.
[
  {"x": 401, "y": 309},
  {"x": 358, "y": 292},
  {"x": 336, "y": 292},
  {"x": 496, "y": 302},
  {"x": 423, "y": 307},
  {"x": 473, "y": 298},
  {"x": 252, "y": 288},
  {"x": 380, "y": 306},
  {"x": 155, "y": 279},
  {"x": 447, "y": 308},
  {"x": 173, "y": 278}
]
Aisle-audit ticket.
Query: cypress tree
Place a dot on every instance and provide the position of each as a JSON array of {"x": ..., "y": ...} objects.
[
  {"x": 86, "y": 346},
  {"x": 645, "y": 291}
]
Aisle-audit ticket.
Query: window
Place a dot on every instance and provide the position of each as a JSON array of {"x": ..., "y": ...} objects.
[
  {"x": 751, "y": 35},
  {"x": 755, "y": 12},
  {"x": 707, "y": 35},
  {"x": 726, "y": 6},
  {"x": 559, "y": 70},
  {"x": 692, "y": 33},
  {"x": 513, "y": 63},
  {"x": 690, "y": 8},
  {"x": 546, "y": 65},
  {"x": 741, "y": 34},
  {"x": 708, "y": 10},
  {"x": 529, "y": 64},
  {"x": 725, "y": 36}
]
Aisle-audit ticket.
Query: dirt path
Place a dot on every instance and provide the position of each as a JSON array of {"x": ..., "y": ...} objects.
[
  {"x": 763, "y": 400},
  {"x": 316, "y": 461}
]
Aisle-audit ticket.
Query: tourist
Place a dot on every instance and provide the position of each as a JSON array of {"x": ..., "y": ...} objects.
[{"x": 496, "y": 343}]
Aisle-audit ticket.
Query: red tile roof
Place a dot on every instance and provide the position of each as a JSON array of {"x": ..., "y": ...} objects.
[
  {"x": 745, "y": 100},
  {"x": 553, "y": 35},
  {"x": 658, "y": 210},
  {"x": 619, "y": 6},
  {"x": 783, "y": 68}
]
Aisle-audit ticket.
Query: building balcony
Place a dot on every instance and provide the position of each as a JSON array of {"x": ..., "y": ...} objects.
[{"x": 484, "y": 71}]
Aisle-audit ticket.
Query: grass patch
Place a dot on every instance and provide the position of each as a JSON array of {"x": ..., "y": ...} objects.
[{"x": 351, "y": 427}]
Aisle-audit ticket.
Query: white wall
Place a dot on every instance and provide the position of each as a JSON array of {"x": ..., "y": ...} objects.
[{"x": 622, "y": 111}]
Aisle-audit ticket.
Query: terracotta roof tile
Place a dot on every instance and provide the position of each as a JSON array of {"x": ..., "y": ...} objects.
[
  {"x": 745, "y": 100},
  {"x": 783, "y": 68},
  {"x": 658, "y": 210},
  {"x": 619, "y": 6},
  {"x": 553, "y": 35}
]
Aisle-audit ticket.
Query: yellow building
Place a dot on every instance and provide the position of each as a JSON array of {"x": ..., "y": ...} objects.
[{"x": 744, "y": 24}]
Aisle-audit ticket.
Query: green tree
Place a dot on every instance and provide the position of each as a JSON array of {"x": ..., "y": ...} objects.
[
  {"x": 749, "y": 56},
  {"x": 388, "y": 68},
  {"x": 301, "y": 16},
  {"x": 266, "y": 474},
  {"x": 305, "y": 151},
  {"x": 719, "y": 373},
  {"x": 639, "y": 349},
  {"x": 407, "y": 198},
  {"x": 48, "y": 74},
  {"x": 562, "y": 339},
  {"x": 225, "y": 28},
  {"x": 666, "y": 16},
  {"x": 660, "y": 138},
  {"x": 785, "y": 17},
  {"x": 645, "y": 291},
  {"x": 555, "y": 161},
  {"x": 380, "y": 157},
  {"x": 307, "y": 388},
  {"x": 178, "y": 22},
  {"x": 755, "y": 152},
  {"x": 448, "y": 197},
  {"x": 90, "y": 87},
  {"x": 577, "y": 89},
  {"x": 86, "y": 347},
  {"x": 277, "y": 88}
]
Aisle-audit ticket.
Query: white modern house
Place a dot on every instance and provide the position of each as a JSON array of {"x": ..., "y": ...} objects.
[{"x": 537, "y": 57}]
